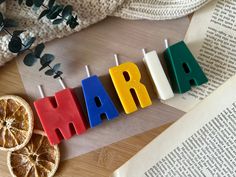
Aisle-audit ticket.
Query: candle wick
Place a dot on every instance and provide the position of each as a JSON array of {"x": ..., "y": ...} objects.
[
  {"x": 166, "y": 43},
  {"x": 144, "y": 51},
  {"x": 41, "y": 92},
  {"x": 62, "y": 83},
  {"x": 87, "y": 70},
  {"x": 116, "y": 60}
]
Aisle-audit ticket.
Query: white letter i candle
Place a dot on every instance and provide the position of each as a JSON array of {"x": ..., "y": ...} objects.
[{"x": 158, "y": 76}]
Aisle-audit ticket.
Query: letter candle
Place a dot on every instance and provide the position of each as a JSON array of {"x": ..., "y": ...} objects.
[
  {"x": 61, "y": 116},
  {"x": 97, "y": 100},
  {"x": 183, "y": 68},
  {"x": 126, "y": 78},
  {"x": 161, "y": 84}
]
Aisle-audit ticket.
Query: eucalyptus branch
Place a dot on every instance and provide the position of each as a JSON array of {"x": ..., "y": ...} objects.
[
  {"x": 17, "y": 46},
  {"x": 8, "y": 32},
  {"x": 54, "y": 12}
]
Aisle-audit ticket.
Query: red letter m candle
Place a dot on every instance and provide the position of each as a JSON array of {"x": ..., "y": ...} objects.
[{"x": 61, "y": 116}]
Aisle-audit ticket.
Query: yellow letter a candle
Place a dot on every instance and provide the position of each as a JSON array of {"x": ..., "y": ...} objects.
[{"x": 126, "y": 77}]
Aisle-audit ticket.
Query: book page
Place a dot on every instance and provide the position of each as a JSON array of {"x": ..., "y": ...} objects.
[
  {"x": 202, "y": 143},
  {"x": 212, "y": 39}
]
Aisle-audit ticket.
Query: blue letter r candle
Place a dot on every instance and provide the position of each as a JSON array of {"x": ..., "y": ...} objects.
[{"x": 97, "y": 101}]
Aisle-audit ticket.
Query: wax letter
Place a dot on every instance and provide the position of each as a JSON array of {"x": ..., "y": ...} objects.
[
  {"x": 126, "y": 77},
  {"x": 160, "y": 81},
  {"x": 183, "y": 69},
  {"x": 60, "y": 115},
  {"x": 97, "y": 101}
]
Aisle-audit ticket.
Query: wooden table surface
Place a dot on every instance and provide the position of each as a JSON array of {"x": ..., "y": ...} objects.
[{"x": 99, "y": 163}]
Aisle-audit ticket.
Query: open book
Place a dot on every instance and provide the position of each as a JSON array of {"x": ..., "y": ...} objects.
[
  {"x": 200, "y": 144},
  {"x": 211, "y": 37}
]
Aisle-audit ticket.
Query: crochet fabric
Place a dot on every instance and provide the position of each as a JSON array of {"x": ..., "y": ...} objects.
[{"x": 89, "y": 12}]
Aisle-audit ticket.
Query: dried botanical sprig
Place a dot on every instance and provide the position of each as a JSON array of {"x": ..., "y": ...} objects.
[
  {"x": 17, "y": 46},
  {"x": 57, "y": 13},
  {"x": 45, "y": 60}
]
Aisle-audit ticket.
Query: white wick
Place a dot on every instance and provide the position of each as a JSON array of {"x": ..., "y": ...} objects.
[
  {"x": 41, "y": 92},
  {"x": 62, "y": 83},
  {"x": 144, "y": 51},
  {"x": 166, "y": 43},
  {"x": 116, "y": 60},
  {"x": 87, "y": 70}
]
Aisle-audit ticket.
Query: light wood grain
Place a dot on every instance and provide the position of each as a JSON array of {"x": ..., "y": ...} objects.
[{"x": 99, "y": 163}]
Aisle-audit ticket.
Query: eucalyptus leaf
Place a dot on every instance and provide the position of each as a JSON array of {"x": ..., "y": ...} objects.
[
  {"x": 56, "y": 67},
  {"x": 49, "y": 72},
  {"x": 42, "y": 67},
  {"x": 72, "y": 22},
  {"x": 51, "y": 3},
  {"x": 17, "y": 32},
  {"x": 29, "y": 42},
  {"x": 55, "y": 11},
  {"x": 39, "y": 49},
  {"x": 38, "y": 3},
  {"x": 67, "y": 11},
  {"x": 9, "y": 23},
  {"x": 29, "y": 3},
  {"x": 15, "y": 44},
  {"x": 47, "y": 59},
  {"x": 43, "y": 13},
  {"x": 58, "y": 74},
  {"x": 29, "y": 59},
  {"x": 57, "y": 21}
]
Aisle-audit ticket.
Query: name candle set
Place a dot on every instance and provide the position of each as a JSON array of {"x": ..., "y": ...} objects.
[{"x": 62, "y": 117}]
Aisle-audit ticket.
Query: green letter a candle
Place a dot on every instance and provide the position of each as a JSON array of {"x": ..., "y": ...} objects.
[{"x": 183, "y": 68}]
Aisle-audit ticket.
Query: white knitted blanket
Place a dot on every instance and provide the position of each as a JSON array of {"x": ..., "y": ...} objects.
[{"x": 90, "y": 12}]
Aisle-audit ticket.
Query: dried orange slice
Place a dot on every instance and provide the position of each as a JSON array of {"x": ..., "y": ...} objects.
[
  {"x": 16, "y": 123},
  {"x": 37, "y": 159}
]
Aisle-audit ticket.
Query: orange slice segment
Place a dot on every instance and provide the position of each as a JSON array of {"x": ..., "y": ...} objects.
[
  {"x": 37, "y": 159},
  {"x": 16, "y": 123}
]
